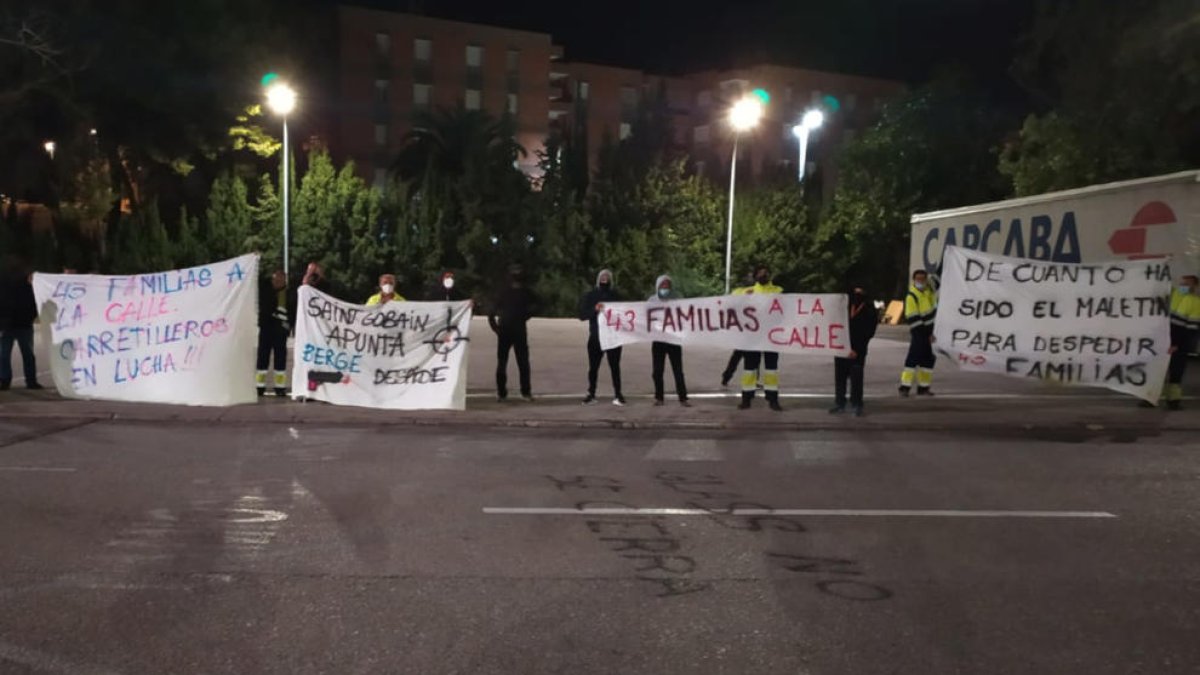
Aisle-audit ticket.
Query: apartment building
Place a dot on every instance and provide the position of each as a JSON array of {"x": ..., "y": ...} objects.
[{"x": 393, "y": 65}]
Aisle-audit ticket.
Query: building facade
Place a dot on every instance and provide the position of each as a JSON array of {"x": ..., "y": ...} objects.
[{"x": 392, "y": 66}]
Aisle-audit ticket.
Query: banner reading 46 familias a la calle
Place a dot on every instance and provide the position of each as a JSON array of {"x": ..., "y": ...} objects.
[
  {"x": 793, "y": 323},
  {"x": 398, "y": 355},
  {"x": 181, "y": 336},
  {"x": 1100, "y": 325}
]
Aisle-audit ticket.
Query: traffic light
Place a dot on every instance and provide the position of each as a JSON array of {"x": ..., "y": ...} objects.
[
  {"x": 831, "y": 103},
  {"x": 762, "y": 95}
]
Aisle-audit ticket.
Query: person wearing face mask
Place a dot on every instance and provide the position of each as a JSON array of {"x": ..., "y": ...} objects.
[
  {"x": 511, "y": 310},
  {"x": 863, "y": 321},
  {"x": 590, "y": 306},
  {"x": 1185, "y": 327},
  {"x": 276, "y": 315},
  {"x": 315, "y": 276},
  {"x": 920, "y": 310},
  {"x": 444, "y": 289},
  {"x": 770, "y": 360},
  {"x": 387, "y": 291},
  {"x": 661, "y": 351}
]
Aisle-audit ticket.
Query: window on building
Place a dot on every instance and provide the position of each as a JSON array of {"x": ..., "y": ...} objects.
[
  {"x": 625, "y": 131},
  {"x": 512, "y": 61},
  {"x": 474, "y": 56},
  {"x": 700, "y": 134},
  {"x": 512, "y": 104},
  {"x": 851, "y": 102},
  {"x": 422, "y": 49},
  {"x": 380, "y": 178},
  {"x": 732, "y": 89},
  {"x": 421, "y": 93},
  {"x": 815, "y": 99},
  {"x": 787, "y": 94},
  {"x": 704, "y": 99},
  {"x": 700, "y": 165},
  {"x": 583, "y": 90},
  {"x": 473, "y": 99},
  {"x": 877, "y": 104},
  {"x": 381, "y": 92},
  {"x": 381, "y": 135},
  {"x": 629, "y": 97},
  {"x": 383, "y": 43}
]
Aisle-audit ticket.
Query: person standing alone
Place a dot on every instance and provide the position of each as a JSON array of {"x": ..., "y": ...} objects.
[
  {"x": 920, "y": 310},
  {"x": 863, "y": 322},
  {"x": 511, "y": 310},
  {"x": 18, "y": 311},
  {"x": 276, "y": 314}
]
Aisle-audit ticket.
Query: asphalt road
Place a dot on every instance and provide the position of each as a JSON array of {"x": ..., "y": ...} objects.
[{"x": 176, "y": 548}]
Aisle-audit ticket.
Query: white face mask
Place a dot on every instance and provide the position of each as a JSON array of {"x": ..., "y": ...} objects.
[
  {"x": 920, "y": 285},
  {"x": 664, "y": 293},
  {"x": 448, "y": 282},
  {"x": 387, "y": 289},
  {"x": 1185, "y": 289}
]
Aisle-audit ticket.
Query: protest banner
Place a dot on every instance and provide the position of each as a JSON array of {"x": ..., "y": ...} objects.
[
  {"x": 790, "y": 323},
  {"x": 182, "y": 336},
  {"x": 398, "y": 355},
  {"x": 1100, "y": 325}
]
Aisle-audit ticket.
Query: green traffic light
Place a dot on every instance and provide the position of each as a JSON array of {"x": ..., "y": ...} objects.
[
  {"x": 269, "y": 78},
  {"x": 831, "y": 102},
  {"x": 762, "y": 95}
]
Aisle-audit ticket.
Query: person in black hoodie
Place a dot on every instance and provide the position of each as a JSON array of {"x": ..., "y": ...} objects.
[
  {"x": 443, "y": 289},
  {"x": 18, "y": 310},
  {"x": 276, "y": 315},
  {"x": 589, "y": 310},
  {"x": 512, "y": 308},
  {"x": 863, "y": 321}
]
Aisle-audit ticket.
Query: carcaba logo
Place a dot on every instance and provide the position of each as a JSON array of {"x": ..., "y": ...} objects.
[{"x": 1145, "y": 237}]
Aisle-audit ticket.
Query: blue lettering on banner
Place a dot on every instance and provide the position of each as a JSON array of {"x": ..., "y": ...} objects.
[
  {"x": 323, "y": 356},
  {"x": 127, "y": 370},
  {"x": 1043, "y": 242}
]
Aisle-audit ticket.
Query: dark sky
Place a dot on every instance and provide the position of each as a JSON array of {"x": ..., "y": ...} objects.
[{"x": 905, "y": 39}]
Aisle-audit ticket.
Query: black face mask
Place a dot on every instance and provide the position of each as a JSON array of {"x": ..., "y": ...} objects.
[
  {"x": 605, "y": 285},
  {"x": 856, "y": 298},
  {"x": 762, "y": 279}
]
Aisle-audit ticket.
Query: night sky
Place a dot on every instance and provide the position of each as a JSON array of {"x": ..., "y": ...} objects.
[{"x": 903, "y": 39}]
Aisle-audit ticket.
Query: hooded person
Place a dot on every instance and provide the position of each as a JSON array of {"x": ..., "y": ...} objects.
[
  {"x": 664, "y": 292},
  {"x": 864, "y": 319},
  {"x": 444, "y": 289},
  {"x": 18, "y": 312},
  {"x": 510, "y": 311},
  {"x": 589, "y": 310}
]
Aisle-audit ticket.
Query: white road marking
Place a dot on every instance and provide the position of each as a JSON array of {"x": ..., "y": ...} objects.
[
  {"x": 970, "y": 396},
  {"x": 39, "y": 469},
  {"x": 872, "y": 513}
]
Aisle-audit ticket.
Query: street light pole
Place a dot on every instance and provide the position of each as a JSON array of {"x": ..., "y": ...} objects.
[
  {"x": 743, "y": 116},
  {"x": 729, "y": 230},
  {"x": 282, "y": 100},
  {"x": 284, "y": 172},
  {"x": 811, "y": 120}
]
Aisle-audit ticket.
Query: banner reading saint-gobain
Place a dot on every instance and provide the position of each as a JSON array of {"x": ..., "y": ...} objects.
[
  {"x": 183, "y": 336},
  {"x": 1099, "y": 325},
  {"x": 791, "y": 323},
  {"x": 399, "y": 355}
]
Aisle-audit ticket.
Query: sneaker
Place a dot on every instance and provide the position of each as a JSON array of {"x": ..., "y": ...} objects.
[
  {"x": 858, "y": 411},
  {"x": 659, "y": 402},
  {"x": 281, "y": 392},
  {"x": 528, "y": 398},
  {"x": 619, "y": 400},
  {"x": 1174, "y": 405},
  {"x": 837, "y": 410},
  {"x": 262, "y": 391},
  {"x": 904, "y": 391},
  {"x": 34, "y": 386},
  {"x": 685, "y": 403},
  {"x": 924, "y": 391},
  {"x": 775, "y": 406},
  {"x": 589, "y": 400},
  {"x": 501, "y": 398}
]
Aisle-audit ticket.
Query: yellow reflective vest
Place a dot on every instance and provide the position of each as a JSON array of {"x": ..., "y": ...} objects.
[
  {"x": 377, "y": 299},
  {"x": 758, "y": 289},
  {"x": 920, "y": 307},
  {"x": 1185, "y": 319}
]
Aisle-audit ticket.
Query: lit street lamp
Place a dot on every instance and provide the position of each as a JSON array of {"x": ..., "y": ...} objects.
[
  {"x": 743, "y": 116},
  {"x": 811, "y": 120},
  {"x": 281, "y": 99},
  {"x": 49, "y": 147}
]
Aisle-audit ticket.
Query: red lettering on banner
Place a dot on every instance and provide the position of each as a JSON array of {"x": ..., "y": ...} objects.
[
  {"x": 809, "y": 337},
  {"x": 835, "y": 336},
  {"x": 817, "y": 307},
  {"x": 139, "y": 310},
  {"x": 776, "y": 308}
]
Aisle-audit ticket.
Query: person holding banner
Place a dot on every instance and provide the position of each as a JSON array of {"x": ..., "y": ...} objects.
[
  {"x": 864, "y": 319},
  {"x": 589, "y": 310},
  {"x": 661, "y": 351},
  {"x": 276, "y": 315},
  {"x": 387, "y": 291},
  {"x": 770, "y": 360},
  {"x": 510, "y": 311},
  {"x": 1185, "y": 327},
  {"x": 920, "y": 310},
  {"x": 443, "y": 290}
]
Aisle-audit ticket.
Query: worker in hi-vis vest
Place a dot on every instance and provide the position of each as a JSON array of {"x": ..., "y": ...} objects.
[
  {"x": 770, "y": 360},
  {"x": 920, "y": 309},
  {"x": 1185, "y": 327}
]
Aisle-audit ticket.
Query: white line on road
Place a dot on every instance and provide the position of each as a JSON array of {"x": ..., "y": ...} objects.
[
  {"x": 878, "y": 513},
  {"x": 43, "y": 469},
  {"x": 971, "y": 396}
]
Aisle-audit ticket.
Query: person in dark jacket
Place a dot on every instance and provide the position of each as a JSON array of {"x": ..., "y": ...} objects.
[
  {"x": 664, "y": 292},
  {"x": 589, "y": 310},
  {"x": 444, "y": 289},
  {"x": 276, "y": 315},
  {"x": 863, "y": 321},
  {"x": 18, "y": 310},
  {"x": 510, "y": 311}
]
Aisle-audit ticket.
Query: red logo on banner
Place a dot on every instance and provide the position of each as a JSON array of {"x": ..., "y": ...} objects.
[{"x": 1131, "y": 241}]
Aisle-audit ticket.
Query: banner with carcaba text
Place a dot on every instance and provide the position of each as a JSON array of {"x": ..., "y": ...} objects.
[
  {"x": 1098, "y": 325},
  {"x": 396, "y": 355},
  {"x": 181, "y": 336},
  {"x": 791, "y": 323}
]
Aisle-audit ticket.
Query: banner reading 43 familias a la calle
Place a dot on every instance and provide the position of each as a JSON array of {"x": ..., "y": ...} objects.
[
  {"x": 398, "y": 355},
  {"x": 792, "y": 323}
]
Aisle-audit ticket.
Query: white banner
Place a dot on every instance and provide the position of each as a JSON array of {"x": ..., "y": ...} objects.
[
  {"x": 182, "y": 336},
  {"x": 399, "y": 355},
  {"x": 791, "y": 323},
  {"x": 1099, "y": 325}
]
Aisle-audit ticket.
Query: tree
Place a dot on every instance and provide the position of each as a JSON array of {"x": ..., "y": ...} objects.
[
  {"x": 188, "y": 249},
  {"x": 266, "y": 217},
  {"x": 227, "y": 221},
  {"x": 139, "y": 243}
]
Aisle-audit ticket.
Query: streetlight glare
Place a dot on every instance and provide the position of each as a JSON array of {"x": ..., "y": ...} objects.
[
  {"x": 281, "y": 99},
  {"x": 813, "y": 119},
  {"x": 745, "y": 113},
  {"x": 49, "y": 147}
]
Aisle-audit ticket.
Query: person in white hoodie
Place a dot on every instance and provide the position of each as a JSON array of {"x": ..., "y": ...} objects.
[{"x": 660, "y": 351}]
